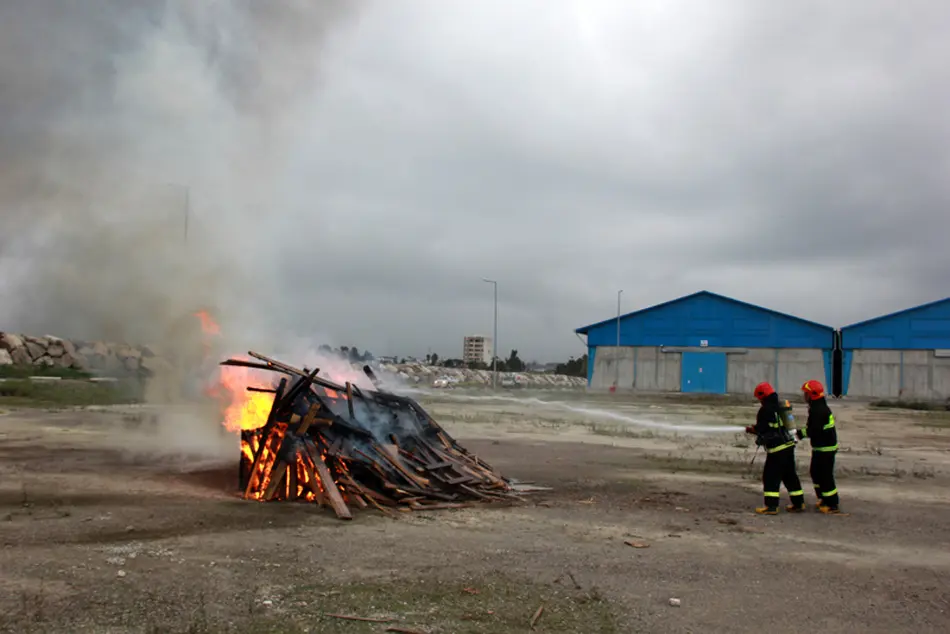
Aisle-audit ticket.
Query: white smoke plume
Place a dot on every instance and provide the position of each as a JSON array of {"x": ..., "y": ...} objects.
[
  {"x": 144, "y": 153},
  {"x": 120, "y": 121}
]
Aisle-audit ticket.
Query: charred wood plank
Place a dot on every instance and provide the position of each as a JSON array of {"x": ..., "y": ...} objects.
[{"x": 329, "y": 486}]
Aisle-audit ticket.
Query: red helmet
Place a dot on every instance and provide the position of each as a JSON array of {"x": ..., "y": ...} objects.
[
  {"x": 813, "y": 390},
  {"x": 763, "y": 389}
]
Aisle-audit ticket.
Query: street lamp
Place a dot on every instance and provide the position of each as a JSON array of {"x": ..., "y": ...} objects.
[
  {"x": 494, "y": 339},
  {"x": 187, "y": 193},
  {"x": 617, "y": 383}
]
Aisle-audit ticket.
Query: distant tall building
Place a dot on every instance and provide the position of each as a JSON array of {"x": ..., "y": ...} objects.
[{"x": 477, "y": 349}]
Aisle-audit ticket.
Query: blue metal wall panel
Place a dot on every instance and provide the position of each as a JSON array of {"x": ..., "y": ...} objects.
[
  {"x": 925, "y": 327},
  {"x": 703, "y": 372},
  {"x": 716, "y": 320}
]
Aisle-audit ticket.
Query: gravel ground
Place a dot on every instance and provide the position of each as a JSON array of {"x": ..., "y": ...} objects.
[{"x": 105, "y": 528}]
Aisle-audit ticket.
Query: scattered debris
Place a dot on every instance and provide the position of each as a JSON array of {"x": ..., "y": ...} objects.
[
  {"x": 537, "y": 615},
  {"x": 120, "y": 574},
  {"x": 403, "y": 630},
  {"x": 675, "y": 602},
  {"x": 636, "y": 544},
  {"x": 470, "y": 590},
  {"x": 727, "y": 520}
]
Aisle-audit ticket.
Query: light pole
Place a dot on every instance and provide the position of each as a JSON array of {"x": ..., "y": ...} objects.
[
  {"x": 187, "y": 191},
  {"x": 494, "y": 339},
  {"x": 617, "y": 383}
]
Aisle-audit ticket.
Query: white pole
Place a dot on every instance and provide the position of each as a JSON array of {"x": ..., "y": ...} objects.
[
  {"x": 617, "y": 383},
  {"x": 494, "y": 341}
]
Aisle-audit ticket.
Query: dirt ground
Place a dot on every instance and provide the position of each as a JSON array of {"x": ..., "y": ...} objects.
[{"x": 109, "y": 524}]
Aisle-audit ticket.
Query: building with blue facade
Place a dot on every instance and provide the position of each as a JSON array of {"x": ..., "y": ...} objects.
[
  {"x": 901, "y": 355},
  {"x": 707, "y": 343}
]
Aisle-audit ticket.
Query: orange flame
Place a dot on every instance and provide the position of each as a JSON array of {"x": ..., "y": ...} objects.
[
  {"x": 208, "y": 325},
  {"x": 242, "y": 409}
]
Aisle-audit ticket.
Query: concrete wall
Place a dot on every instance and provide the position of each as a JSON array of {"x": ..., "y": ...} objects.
[
  {"x": 643, "y": 368},
  {"x": 786, "y": 369},
  {"x": 909, "y": 374},
  {"x": 649, "y": 369}
]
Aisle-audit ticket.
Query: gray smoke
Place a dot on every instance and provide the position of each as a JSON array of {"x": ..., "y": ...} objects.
[{"x": 120, "y": 121}]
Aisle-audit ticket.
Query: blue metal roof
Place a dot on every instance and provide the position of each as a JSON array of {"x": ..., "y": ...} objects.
[
  {"x": 924, "y": 327},
  {"x": 706, "y": 318}
]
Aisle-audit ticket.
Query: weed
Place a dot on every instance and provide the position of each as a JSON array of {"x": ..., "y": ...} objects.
[
  {"x": 26, "y": 371},
  {"x": 921, "y": 406},
  {"x": 65, "y": 393}
]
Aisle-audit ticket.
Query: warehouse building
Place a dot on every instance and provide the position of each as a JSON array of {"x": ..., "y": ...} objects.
[
  {"x": 707, "y": 343},
  {"x": 902, "y": 355}
]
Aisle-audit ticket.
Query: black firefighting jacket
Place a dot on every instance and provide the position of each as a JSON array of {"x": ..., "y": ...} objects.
[
  {"x": 769, "y": 428},
  {"x": 820, "y": 428}
]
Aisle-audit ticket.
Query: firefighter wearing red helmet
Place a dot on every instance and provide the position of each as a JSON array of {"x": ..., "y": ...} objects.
[
  {"x": 820, "y": 430},
  {"x": 771, "y": 432}
]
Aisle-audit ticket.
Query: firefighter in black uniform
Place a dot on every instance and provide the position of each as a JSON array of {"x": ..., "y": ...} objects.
[
  {"x": 770, "y": 432},
  {"x": 820, "y": 430}
]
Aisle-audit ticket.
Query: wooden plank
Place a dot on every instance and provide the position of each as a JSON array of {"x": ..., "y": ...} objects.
[
  {"x": 329, "y": 486},
  {"x": 292, "y": 481},
  {"x": 308, "y": 419},
  {"x": 313, "y": 483},
  {"x": 349, "y": 399},
  {"x": 277, "y": 475},
  {"x": 435, "y": 507},
  {"x": 390, "y": 453}
]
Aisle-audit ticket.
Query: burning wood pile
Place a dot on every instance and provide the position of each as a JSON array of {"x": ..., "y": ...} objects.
[{"x": 340, "y": 446}]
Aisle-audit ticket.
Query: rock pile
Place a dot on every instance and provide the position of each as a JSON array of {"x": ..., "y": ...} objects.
[
  {"x": 119, "y": 359},
  {"x": 425, "y": 375},
  {"x": 53, "y": 352}
]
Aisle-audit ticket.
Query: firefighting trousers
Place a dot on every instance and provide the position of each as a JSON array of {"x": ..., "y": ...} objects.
[
  {"x": 780, "y": 469},
  {"x": 822, "y": 471}
]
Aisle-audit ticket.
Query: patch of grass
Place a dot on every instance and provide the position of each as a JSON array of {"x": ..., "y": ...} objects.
[
  {"x": 701, "y": 465},
  {"x": 25, "y": 371},
  {"x": 66, "y": 393},
  {"x": 619, "y": 431},
  {"x": 471, "y": 606},
  {"x": 936, "y": 422},
  {"x": 920, "y": 406}
]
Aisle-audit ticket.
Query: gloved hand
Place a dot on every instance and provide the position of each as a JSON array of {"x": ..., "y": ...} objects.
[
  {"x": 750, "y": 429},
  {"x": 799, "y": 434}
]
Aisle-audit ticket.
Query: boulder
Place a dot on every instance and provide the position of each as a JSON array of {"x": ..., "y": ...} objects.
[
  {"x": 131, "y": 364},
  {"x": 21, "y": 356},
  {"x": 46, "y": 362},
  {"x": 56, "y": 350},
  {"x": 68, "y": 346},
  {"x": 5, "y": 358},
  {"x": 36, "y": 350},
  {"x": 11, "y": 342}
]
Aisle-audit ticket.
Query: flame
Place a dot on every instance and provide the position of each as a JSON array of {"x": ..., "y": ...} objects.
[
  {"x": 208, "y": 325},
  {"x": 242, "y": 409}
]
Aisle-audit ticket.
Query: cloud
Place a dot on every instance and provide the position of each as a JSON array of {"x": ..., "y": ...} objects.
[{"x": 355, "y": 173}]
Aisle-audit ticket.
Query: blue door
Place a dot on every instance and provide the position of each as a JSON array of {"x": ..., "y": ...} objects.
[{"x": 704, "y": 372}]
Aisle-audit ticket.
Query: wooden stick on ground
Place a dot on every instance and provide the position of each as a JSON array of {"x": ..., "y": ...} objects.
[
  {"x": 537, "y": 615},
  {"x": 365, "y": 619}
]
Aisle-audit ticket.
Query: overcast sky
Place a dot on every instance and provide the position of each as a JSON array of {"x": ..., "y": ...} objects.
[{"x": 355, "y": 172}]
